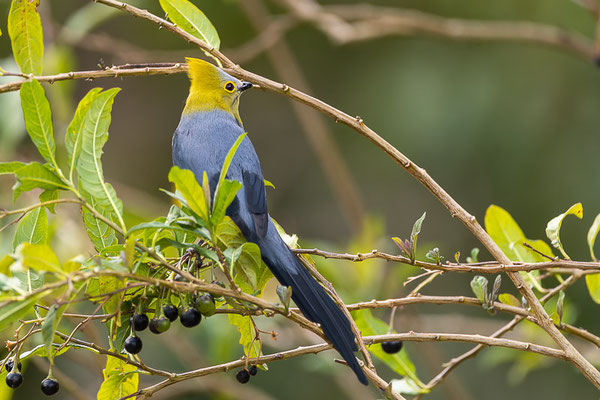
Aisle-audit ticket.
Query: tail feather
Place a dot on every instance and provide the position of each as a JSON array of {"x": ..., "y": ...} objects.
[{"x": 312, "y": 299}]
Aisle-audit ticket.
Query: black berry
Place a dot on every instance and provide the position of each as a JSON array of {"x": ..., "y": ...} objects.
[
  {"x": 139, "y": 322},
  {"x": 392, "y": 347},
  {"x": 14, "y": 380},
  {"x": 205, "y": 304},
  {"x": 133, "y": 344},
  {"x": 190, "y": 317},
  {"x": 170, "y": 312},
  {"x": 243, "y": 376},
  {"x": 50, "y": 386},
  {"x": 253, "y": 370},
  {"x": 10, "y": 364},
  {"x": 159, "y": 325}
]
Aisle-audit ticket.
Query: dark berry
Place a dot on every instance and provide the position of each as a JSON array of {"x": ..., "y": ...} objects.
[
  {"x": 139, "y": 322},
  {"x": 392, "y": 347},
  {"x": 253, "y": 370},
  {"x": 171, "y": 312},
  {"x": 10, "y": 364},
  {"x": 205, "y": 304},
  {"x": 14, "y": 380},
  {"x": 50, "y": 386},
  {"x": 190, "y": 317},
  {"x": 159, "y": 325},
  {"x": 218, "y": 283},
  {"x": 243, "y": 376},
  {"x": 133, "y": 344}
]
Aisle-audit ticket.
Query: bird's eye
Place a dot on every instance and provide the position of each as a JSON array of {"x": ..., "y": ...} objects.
[{"x": 230, "y": 87}]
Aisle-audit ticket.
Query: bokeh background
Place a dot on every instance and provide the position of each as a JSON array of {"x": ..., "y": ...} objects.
[{"x": 513, "y": 124}]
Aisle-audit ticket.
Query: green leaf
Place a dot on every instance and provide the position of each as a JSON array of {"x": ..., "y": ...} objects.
[
  {"x": 25, "y": 31},
  {"x": 554, "y": 225},
  {"x": 223, "y": 199},
  {"x": 101, "y": 235},
  {"x": 188, "y": 17},
  {"x": 33, "y": 228},
  {"x": 591, "y": 236},
  {"x": 479, "y": 286},
  {"x": 15, "y": 310},
  {"x": 509, "y": 300},
  {"x": 49, "y": 195},
  {"x": 10, "y": 167},
  {"x": 120, "y": 380},
  {"x": 226, "y": 164},
  {"x": 49, "y": 327},
  {"x": 507, "y": 234},
  {"x": 11, "y": 283},
  {"x": 245, "y": 327},
  {"x": 185, "y": 182},
  {"x": 38, "y": 120},
  {"x": 399, "y": 362},
  {"x": 33, "y": 176},
  {"x": 39, "y": 257},
  {"x": 414, "y": 235},
  {"x": 73, "y": 137},
  {"x": 89, "y": 165},
  {"x": 157, "y": 226},
  {"x": 108, "y": 284},
  {"x": 593, "y": 285}
]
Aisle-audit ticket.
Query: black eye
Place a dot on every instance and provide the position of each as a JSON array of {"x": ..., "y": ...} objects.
[{"x": 230, "y": 87}]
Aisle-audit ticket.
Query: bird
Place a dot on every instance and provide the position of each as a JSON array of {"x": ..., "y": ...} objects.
[{"x": 209, "y": 126}]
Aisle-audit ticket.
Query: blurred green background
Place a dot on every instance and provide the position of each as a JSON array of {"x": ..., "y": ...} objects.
[{"x": 512, "y": 124}]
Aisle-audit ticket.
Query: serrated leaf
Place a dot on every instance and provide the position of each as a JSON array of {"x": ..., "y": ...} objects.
[
  {"x": 38, "y": 257},
  {"x": 507, "y": 234},
  {"x": 479, "y": 286},
  {"x": 400, "y": 362},
  {"x": 49, "y": 195},
  {"x": 592, "y": 282},
  {"x": 101, "y": 235},
  {"x": 109, "y": 284},
  {"x": 36, "y": 176},
  {"x": 509, "y": 299},
  {"x": 554, "y": 225},
  {"x": 247, "y": 333},
  {"x": 38, "y": 120},
  {"x": 10, "y": 167},
  {"x": 185, "y": 182},
  {"x": 154, "y": 226},
  {"x": 188, "y": 17},
  {"x": 591, "y": 236},
  {"x": 49, "y": 327},
  {"x": 120, "y": 380},
  {"x": 25, "y": 31},
  {"x": 33, "y": 228},
  {"x": 89, "y": 165},
  {"x": 73, "y": 137}
]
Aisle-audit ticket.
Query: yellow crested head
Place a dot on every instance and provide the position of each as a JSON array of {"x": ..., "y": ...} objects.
[{"x": 212, "y": 89}]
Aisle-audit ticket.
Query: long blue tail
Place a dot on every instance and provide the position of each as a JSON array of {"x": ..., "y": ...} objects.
[{"x": 311, "y": 298}]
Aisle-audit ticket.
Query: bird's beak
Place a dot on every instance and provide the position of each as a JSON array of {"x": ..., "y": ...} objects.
[{"x": 245, "y": 86}]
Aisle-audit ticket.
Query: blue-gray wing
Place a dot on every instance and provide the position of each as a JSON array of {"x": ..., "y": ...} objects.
[{"x": 256, "y": 200}]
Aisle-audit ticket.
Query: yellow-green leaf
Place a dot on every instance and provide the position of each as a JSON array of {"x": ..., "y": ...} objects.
[
  {"x": 33, "y": 228},
  {"x": 593, "y": 285},
  {"x": 554, "y": 225},
  {"x": 188, "y": 17},
  {"x": 399, "y": 362},
  {"x": 75, "y": 129},
  {"x": 25, "y": 31},
  {"x": 509, "y": 299},
  {"x": 38, "y": 120},
  {"x": 247, "y": 333},
  {"x": 120, "y": 380},
  {"x": 89, "y": 165},
  {"x": 35, "y": 175},
  {"x": 39, "y": 257},
  {"x": 49, "y": 327},
  {"x": 591, "y": 236},
  {"x": 185, "y": 182},
  {"x": 10, "y": 167}
]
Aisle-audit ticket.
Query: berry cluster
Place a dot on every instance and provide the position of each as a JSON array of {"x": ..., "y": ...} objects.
[
  {"x": 243, "y": 375},
  {"x": 189, "y": 317},
  {"x": 14, "y": 379}
]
